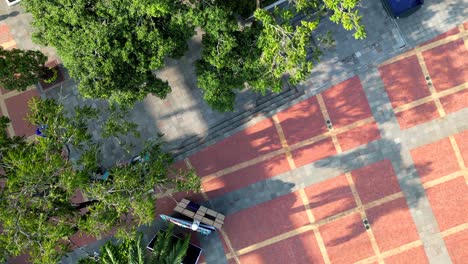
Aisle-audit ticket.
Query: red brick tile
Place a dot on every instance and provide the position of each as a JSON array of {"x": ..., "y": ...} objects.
[
  {"x": 302, "y": 121},
  {"x": 166, "y": 205},
  {"x": 3, "y": 90},
  {"x": 250, "y": 143},
  {"x": 244, "y": 177},
  {"x": 5, "y": 35},
  {"x": 4, "y": 28},
  {"x": 455, "y": 102},
  {"x": 265, "y": 221},
  {"x": 435, "y": 160},
  {"x": 413, "y": 256},
  {"x": 404, "y": 81},
  {"x": 447, "y": 64},
  {"x": 18, "y": 109},
  {"x": 392, "y": 224},
  {"x": 21, "y": 259},
  {"x": 449, "y": 202},
  {"x": 80, "y": 239},
  {"x": 302, "y": 248},
  {"x": 462, "y": 142},
  {"x": 313, "y": 152},
  {"x": 346, "y": 240},
  {"x": 346, "y": 103},
  {"x": 77, "y": 197},
  {"x": 330, "y": 197},
  {"x": 375, "y": 181},
  {"x": 417, "y": 115},
  {"x": 358, "y": 136},
  {"x": 223, "y": 242},
  {"x": 456, "y": 246},
  {"x": 449, "y": 33}
]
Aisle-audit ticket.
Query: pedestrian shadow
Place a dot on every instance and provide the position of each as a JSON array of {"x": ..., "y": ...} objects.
[{"x": 11, "y": 14}]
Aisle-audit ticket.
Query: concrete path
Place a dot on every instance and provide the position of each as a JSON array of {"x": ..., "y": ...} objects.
[
  {"x": 387, "y": 183},
  {"x": 289, "y": 183}
]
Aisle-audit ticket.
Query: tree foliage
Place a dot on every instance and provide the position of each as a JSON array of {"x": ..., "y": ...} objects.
[
  {"x": 113, "y": 46},
  {"x": 263, "y": 51},
  {"x": 21, "y": 68},
  {"x": 36, "y": 210},
  {"x": 166, "y": 250}
]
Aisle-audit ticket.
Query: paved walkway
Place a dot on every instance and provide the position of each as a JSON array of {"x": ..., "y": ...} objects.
[
  {"x": 334, "y": 179},
  {"x": 290, "y": 184}
]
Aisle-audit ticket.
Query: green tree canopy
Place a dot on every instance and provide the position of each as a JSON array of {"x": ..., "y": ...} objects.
[
  {"x": 21, "y": 68},
  {"x": 166, "y": 250},
  {"x": 36, "y": 210},
  {"x": 113, "y": 46}
]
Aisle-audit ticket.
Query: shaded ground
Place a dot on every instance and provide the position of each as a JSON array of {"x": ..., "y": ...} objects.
[
  {"x": 297, "y": 191},
  {"x": 386, "y": 183}
]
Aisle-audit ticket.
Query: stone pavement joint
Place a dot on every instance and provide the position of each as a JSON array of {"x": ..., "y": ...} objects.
[
  {"x": 435, "y": 96},
  {"x": 317, "y": 234},
  {"x": 326, "y": 115},
  {"x": 363, "y": 215},
  {"x": 298, "y": 145},
  {"x": 430, "y": 85},
  {"x": 458, "y": 154},
  {"x": 284, "y": 143},
  {"x": 229, "y": 245}
]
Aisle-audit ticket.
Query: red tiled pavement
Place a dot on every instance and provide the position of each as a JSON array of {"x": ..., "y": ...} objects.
[
  {"x": 5, "y": 35},
  {"x": 375, "y": 181},
  {"x": 81, "y": 239},
  {"x": 252, "y": 142},
  {"x": 167, "y": 204},
  {"x": 462, "y": 142},
  {"x": 346, "y": 103},
  {"x": 449, "y": 202},
  {"x": 346, "y": 240},
  {"x": 313, "y": 152},
  {"x": 294, "y": 250},
  {"x": 392, "y": 224},
  {"x": 269, "y": 219},
  {"x": 358, "y": 136},
  {"x": 302, "y": 121},
  {"x": 449, "y": 33},
  {"x": 413, "y": 256},
  {"x": 17, "y": 109},
  {"x": 456, "y": 246},
  {"x": 435, "y": 160},
  {"x": 455, "y": 102},
  {"x": 244, "y": 177},
  {"x": 417, "y": 115},
  {"x": 3, "y": 90},
  {"x": 330, "y": 197},
  {"x": 21, "y": 259},
  {"x": 447, "y": 64},
  {"x": 404, "y": 81}
]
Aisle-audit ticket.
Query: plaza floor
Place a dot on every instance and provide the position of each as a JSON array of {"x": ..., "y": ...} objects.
[
  {"x": 406, "y": 204},
  {"x": 372, "y": 170}
]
